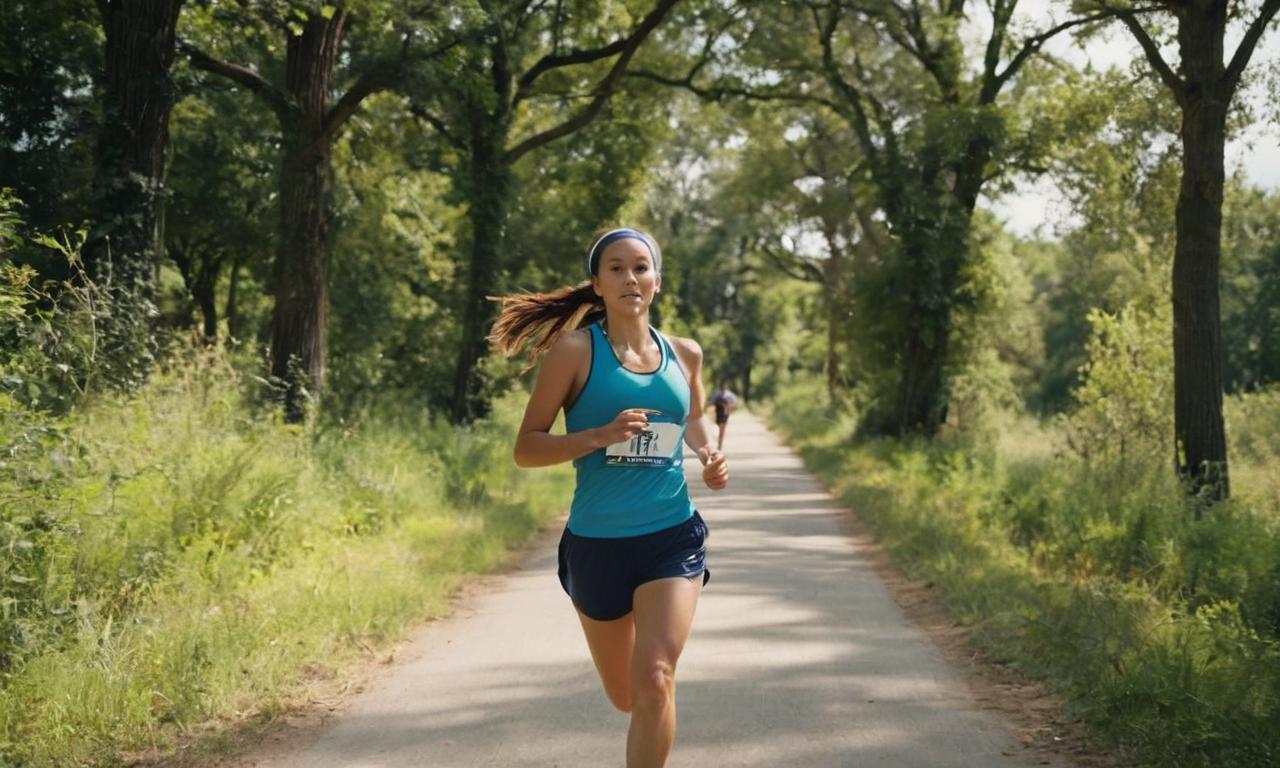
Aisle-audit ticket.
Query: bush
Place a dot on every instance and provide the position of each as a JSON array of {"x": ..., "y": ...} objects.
[
  {"x": 46, "y": 339},
  {"x": 1124, "y": 404}
]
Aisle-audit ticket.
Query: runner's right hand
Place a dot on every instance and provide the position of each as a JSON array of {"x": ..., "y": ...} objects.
[{"x": 626, "y": 425}]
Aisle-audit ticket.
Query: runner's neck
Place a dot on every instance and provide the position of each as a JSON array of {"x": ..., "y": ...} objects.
[{"x": 628, "y": 335}]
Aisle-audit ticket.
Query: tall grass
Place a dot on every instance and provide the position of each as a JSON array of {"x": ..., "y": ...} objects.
[
  {"x": 175, "y": 558},
  {"x": 1158, "y": 618}
]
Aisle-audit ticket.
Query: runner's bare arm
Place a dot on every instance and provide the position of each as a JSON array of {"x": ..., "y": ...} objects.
[
  {"x": 715, "y": 472},
  {"x": 535, "y": 445}
]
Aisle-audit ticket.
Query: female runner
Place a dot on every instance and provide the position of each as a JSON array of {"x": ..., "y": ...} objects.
[{"x": 633, "y": 553}]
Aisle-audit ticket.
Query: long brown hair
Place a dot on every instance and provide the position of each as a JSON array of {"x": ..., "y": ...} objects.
[{"x": 544, "y": 315}]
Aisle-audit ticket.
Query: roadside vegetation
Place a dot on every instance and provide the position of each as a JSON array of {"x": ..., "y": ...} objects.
[
  {"x": 177, "y": 560},
  {"x": 1155, "y": 614}
]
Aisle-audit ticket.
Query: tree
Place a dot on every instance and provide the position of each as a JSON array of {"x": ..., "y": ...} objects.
[
  {"x": 514, "y": 88},
  {"x": 1204, "y": 86},
  {"x": 316, "y": 64},
  {"x": 125, "y": 246},
  {"x": 931, "y": 133}
]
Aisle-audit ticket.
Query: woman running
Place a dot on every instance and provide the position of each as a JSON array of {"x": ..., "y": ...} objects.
[{"x": 633, "y": 553}]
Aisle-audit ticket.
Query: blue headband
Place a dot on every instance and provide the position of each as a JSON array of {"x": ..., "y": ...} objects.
[{"x": 613, "y": 236}]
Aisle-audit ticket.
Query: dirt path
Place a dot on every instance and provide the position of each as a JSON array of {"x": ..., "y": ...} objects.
[{"x": 799, "y": 657}]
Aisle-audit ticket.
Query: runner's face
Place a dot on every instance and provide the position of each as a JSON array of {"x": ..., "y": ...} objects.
[{"x": 626, "y": 279}]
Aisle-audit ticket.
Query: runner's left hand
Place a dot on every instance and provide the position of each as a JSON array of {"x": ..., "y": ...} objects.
[{"x": 715, "y": 470}]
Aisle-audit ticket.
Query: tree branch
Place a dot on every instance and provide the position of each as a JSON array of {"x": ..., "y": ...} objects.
[
  {"x": 246, "y": 76},
  {"x": 851, "y": 94},
  {"x": 1240, "y": 59},
  {"x": 717, "y": 93},
  {"x": 790, "y": 263},
  {"x": 380, "y": 77},
  {"x": 992, "y": 85},
  {"x": 896, "y": 20},
  {"x": 441, "y": 127},
  {"x": 1001, "y": 14},
  {"x": 907, "y": 30},
  {"x": 555, "y": 61},
  {"x": 525, "y": 14},
  {"x": 603, "y": 91},
  {"x": 1152, "y": 51}
]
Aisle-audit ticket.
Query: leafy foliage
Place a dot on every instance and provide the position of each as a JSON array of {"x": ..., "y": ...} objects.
[{"x": 1124, "y": 401}]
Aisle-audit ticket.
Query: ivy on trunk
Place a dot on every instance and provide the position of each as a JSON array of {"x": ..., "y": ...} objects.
[{"x": 123, "y": 252}]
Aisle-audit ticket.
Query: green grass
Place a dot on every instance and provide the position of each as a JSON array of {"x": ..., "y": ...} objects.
[
  {"x": 1161, "y": 630},
  {"x": 185, "y": 564}
]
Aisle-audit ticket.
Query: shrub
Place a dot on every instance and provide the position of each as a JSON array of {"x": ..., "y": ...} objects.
[{"x": 1124, "y": 404}]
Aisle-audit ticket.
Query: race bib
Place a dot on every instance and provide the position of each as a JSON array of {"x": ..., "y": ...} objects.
[{"x": 656, "y": 446}]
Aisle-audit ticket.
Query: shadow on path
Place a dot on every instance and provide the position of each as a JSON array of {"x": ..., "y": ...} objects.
[{"x": 798, "y": 658}]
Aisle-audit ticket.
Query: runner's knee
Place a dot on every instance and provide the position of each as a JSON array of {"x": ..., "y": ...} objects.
[{"x": 653, "y": 680}]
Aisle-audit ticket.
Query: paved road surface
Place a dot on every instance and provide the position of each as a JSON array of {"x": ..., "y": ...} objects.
[{"x": 798, "y": 659}]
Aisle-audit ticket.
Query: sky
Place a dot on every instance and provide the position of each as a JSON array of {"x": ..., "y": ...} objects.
[{"x": 1037, "y": 208}]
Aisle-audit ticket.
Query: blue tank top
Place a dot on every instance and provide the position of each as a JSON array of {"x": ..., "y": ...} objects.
[{"x": 638, "y": 486}]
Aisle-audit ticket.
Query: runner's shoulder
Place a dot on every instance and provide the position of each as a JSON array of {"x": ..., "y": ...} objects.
[
  {"x": 571, "y": 346},
  {"x": 690, "y": 351},
  {"x": 571, "y": 343}
]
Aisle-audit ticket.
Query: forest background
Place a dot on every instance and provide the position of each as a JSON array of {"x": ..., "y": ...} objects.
[{"x": 252, "y": 431}]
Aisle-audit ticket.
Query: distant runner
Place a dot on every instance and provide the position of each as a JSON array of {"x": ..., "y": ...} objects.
[
  {"x": 725, "y": 403},
  {"x": 633, "y": 553}
]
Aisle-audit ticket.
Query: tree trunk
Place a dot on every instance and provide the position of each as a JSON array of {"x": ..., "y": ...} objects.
[
  {"x": 205, "y": 292},
  {"x": 941, "y": 245},
  {"x": 200, "y": 276},
  {"x": 922, "y": 388},
  {"x": 124, "y": 249},
  {"x": 1199, "y": 434},
  {"x": 833, "y": 285},
  {"x": 306, "y": 180},
  {"x": 232, "y": 311},
  {"x": 933, "y": 264},
  {"x": 488, "y": 187},
  {"x": 833, "y": 354}
]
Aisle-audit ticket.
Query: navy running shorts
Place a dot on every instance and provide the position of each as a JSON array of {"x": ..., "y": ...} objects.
[{"x": 600, "y": 575}]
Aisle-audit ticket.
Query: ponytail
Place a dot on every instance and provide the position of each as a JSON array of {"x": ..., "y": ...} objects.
[{"x": 543, "y": 315}]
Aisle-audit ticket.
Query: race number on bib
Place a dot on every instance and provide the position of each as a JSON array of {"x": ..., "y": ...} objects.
[{"x": 654, "y": 447}]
